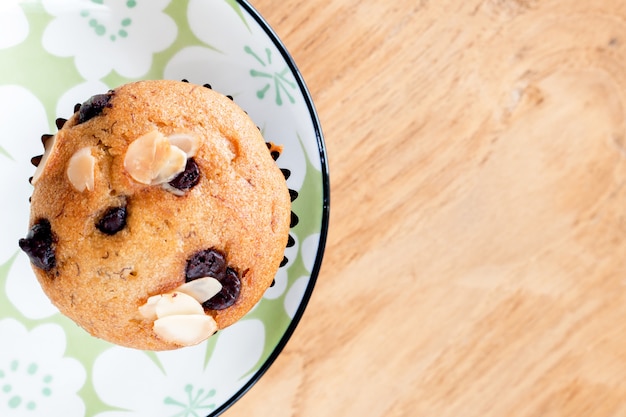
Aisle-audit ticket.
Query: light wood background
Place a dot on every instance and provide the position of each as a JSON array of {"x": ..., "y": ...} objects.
[{"x": 476, "y": 262}]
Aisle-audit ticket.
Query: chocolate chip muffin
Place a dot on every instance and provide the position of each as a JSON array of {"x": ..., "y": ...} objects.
[{"x": 158, "y": 215}]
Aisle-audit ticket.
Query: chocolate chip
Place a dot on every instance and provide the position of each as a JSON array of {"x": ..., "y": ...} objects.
[
  {"x": 77, "y": 107},
  {"x": 39, "y": 245},
  {"x": 112, "y": 221},
  {"x": 212, "y": 263},
  {"x": 206, "y": 263},
  {"x": 291, "y": 241},
  {"x": 93, "y": 107},
  {"x": 60, "y": 122},
  {"x": 187, "y": 179},
  {"x": 231, "y": 287},
  {"x": 284, "y": 262},
  {"x": 275, "y": 155},
  {"x": 207, "y": 86},
  {"x": 286, "y": 173}
]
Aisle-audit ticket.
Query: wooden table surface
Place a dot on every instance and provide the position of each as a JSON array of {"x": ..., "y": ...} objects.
[{"x": 475, "y": 263}]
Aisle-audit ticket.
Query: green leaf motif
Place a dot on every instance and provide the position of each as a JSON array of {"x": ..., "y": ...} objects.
[
  {"x": 5, "y": 153},
  {"x": 237, "y": 8},
  {"x": 6, "y": 307}
]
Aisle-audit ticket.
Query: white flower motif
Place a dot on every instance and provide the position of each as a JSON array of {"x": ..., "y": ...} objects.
[
  {"x": 280, "y": 285},
  {"x": 248, "y": 49},
  {"x": 35, "y": 377},
  {"x": 293, "y": 299},
  {"x": 240, "y": 60},
  {"x": 22, "y": 122},
  {"x": 105, "y": 35},
  {"x": 245, "y": 42},
  {"x": 181, "y": 383},
  {"x": 78, "y": 94},
  {"x": 309, "y": 250},
  {"x": 14, "y": 27},
  {"x": 24, "y": 291}
]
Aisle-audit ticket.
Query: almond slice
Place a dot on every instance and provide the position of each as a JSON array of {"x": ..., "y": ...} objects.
[
  {"x": 202, "y": 289},
  {"x": 151, "y": 159},
  {"x": 177, "y": 303},
  {"x": 186, "y": 299},
  {"x": 80, "y": 169},
  {"x": 170, "y": 167},
  {"x": 185, "y": 330},
  {"x": 140, "y": 157},
  {"x": 148, "y": 310},
  {"x": 186, "y": 142}
]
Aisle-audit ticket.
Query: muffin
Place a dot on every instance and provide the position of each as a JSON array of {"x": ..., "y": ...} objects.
[{"x": 158, "y": 215}]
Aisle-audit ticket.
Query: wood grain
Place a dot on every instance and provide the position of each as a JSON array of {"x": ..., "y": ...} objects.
[{"x": 475, "y": 260}]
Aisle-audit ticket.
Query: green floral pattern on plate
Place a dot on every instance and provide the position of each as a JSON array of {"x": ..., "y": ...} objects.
[{"x": 57, "y": 53}]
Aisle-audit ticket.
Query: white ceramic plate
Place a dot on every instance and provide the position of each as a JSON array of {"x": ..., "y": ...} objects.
[{"x": 55, "y": 53}]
